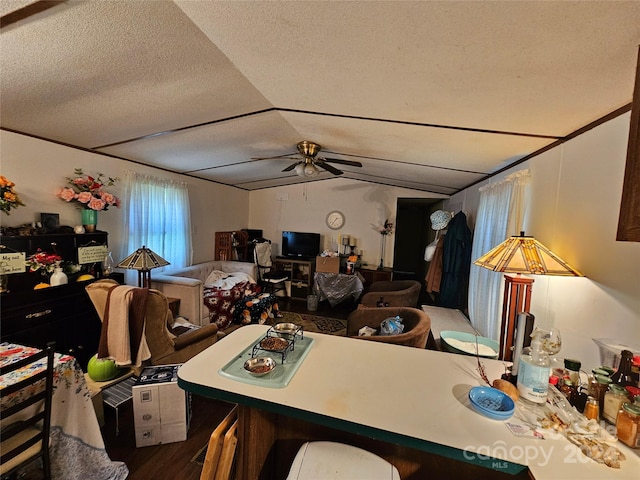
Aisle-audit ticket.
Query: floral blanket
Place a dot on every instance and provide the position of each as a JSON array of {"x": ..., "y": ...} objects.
[{"x": 221, "y": 302}]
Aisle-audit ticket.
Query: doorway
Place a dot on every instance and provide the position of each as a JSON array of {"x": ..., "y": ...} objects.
[{"x": 413, "y": 234}]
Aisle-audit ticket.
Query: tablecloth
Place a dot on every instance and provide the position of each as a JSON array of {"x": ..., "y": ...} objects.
[
  {"x": 337, "y": 287},
  {"x": 77, "y": 448}
]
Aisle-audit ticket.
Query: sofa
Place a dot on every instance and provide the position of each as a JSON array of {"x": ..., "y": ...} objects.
[
  {"x": 187, "y": 284},
  {"x": 397, "y": 293},
  {"x": 417, "y": 325}
]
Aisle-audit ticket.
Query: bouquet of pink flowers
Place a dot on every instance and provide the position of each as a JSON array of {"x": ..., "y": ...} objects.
[{"x": 89, "y": 192}]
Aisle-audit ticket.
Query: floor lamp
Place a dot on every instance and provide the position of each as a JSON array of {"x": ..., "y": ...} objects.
[
  {"x": 143, "y": 260},
  {"x": 520, "y": 254}
]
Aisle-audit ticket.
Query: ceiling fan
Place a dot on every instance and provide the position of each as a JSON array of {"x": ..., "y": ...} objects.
[{"x": 307, "y": 165}]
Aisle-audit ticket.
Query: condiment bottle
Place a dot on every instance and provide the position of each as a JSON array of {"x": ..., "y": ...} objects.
[
  {"x": 622, "y": 375},
  {"x": 628, "y": 425},
  {"x": 569, "y": 390},
  {"x": 603, "y": 386},
  {"x": 591, "y": 409},
  {"x": 613, "y": 400},
  {"x": 572, "y": 368}
]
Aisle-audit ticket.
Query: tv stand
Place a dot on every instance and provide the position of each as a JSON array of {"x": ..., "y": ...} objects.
[{"x": 300, "y": 273}]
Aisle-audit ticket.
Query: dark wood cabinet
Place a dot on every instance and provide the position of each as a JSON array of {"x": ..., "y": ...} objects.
[
  {"x": 371, "y": 275},
  {"x": 63, "y": 314},
  {"x": 232, "y": 246}
]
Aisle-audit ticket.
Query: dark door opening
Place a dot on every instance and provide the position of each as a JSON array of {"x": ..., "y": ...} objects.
[{"x": 412, "y": 235}]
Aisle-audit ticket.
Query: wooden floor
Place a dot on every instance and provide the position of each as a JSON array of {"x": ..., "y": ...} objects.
[
  {"x": 174, "y": 460},
  {"x": 160, "y": 462}
]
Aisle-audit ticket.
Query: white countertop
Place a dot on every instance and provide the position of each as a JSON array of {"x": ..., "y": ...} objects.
[{"x": 419, "y": 397}]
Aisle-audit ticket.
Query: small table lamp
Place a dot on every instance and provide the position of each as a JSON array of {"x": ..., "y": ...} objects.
[
  {"x": 143, "y": 260},
  {"x": 520, "y": 254}
]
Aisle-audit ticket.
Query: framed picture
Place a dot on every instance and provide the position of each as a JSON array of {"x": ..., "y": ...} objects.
[{"x": 50, "y": 221}]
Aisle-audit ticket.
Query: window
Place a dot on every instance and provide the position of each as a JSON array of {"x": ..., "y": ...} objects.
[
  {"x": 157, "y": 215},
  {"x": 500, "y": 215}
]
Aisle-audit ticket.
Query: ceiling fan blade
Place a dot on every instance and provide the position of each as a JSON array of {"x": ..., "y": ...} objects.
[
  {"x": 271, "y": 158},
  {"x": 327, "y": 167},
  {"x": 343, "y": 162},
  {"x": 291, "y": 167}
]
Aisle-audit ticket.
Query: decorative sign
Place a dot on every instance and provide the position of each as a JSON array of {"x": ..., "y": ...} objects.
[
  {"x": 93, "y": 254},
  {"x": 14, "y": 262}
]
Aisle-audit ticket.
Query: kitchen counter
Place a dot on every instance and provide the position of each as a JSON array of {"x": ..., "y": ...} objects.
[{"x": 402, "y": 396}]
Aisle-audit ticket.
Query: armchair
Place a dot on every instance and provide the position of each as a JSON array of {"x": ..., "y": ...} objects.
[
  {"x": 165, "y": 347},
  {"x": 397, "y": 293},
  {"x": 417, "y": 325}
]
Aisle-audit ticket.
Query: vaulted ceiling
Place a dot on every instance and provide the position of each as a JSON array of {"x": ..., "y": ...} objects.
[{"x": 429, "y": 95}]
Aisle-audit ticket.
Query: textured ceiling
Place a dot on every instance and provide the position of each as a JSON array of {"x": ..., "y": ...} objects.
[{"x": 427, "y": 95}]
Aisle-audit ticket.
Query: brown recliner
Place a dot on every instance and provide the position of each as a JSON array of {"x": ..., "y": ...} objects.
[
  {"x": 165, "y": 347},
  {"x": 417, "y": 325},
  {"x": 397, "y": 293}
]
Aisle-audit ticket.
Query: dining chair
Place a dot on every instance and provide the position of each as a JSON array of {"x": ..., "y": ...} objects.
[
  {"x": 221, "y": 449},
  {"x": 27, "y": 438},
  {"x": 270, "y": 280}
]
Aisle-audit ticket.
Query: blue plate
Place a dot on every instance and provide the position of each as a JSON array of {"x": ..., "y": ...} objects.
[{"x": 491, "y": 403}]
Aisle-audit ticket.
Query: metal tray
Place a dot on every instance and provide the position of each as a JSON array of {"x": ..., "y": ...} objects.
[{"x": 280, "y": 376}]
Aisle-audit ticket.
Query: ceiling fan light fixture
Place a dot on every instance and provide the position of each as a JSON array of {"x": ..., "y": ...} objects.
[
  {"x": 299, "y": 169},
  {"x": 310, "y": 170}
]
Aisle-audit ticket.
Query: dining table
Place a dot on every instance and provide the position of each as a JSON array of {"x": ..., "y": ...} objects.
[{"x": 77, "y": 449}]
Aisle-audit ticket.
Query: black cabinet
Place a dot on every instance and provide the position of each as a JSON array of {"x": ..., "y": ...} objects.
[{"x": 63, "y": 314}]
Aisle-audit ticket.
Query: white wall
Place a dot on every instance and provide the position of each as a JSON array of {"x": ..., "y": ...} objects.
[
  {"x": 574, "y": 204},
  {"x": 575, "y": 200},
  {"x": 304, "y": 208},
  {"x": 39, "y": 169}
]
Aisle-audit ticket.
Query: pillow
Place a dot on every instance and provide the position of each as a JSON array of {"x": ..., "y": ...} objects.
[{"x": 214, "y": 277}]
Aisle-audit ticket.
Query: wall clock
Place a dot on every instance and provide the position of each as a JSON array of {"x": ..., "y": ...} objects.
[{"x": 335, "y": 220}]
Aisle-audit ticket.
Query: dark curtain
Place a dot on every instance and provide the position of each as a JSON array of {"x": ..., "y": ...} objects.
[{"x": 456, "y": 262}]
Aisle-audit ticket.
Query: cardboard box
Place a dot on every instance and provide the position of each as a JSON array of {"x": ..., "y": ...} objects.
[
  {"x": 161, "y": 409},
  {"x": 328, "y": 264}
]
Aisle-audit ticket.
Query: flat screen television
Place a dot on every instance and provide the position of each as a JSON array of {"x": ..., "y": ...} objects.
[{"x": 300, "y": 245}]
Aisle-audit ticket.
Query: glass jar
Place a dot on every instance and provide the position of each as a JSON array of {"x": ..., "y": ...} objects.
[
  {"x": 591, "y": 409},
  {"x": 572, "y": 368},
  {"x": 613, "y": 400},
  {"x": 569, "y": 389},
  {"x": 628, "y": 425},
  {"x": 602, "y": 387}
]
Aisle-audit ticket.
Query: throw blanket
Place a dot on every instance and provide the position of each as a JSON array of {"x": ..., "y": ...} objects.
[
  {"x": 122, "y": 337},
  {"x": 221, "y": 302}
]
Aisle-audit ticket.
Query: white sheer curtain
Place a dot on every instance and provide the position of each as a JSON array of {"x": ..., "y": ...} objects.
[
  {"x": 157, "y": 215},
  {"x": 500, "y": 215}
]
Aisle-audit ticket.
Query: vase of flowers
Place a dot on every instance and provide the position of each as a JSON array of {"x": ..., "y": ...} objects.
[
  {"x": 43, "y": 262},
  {"x": 8, "y": 197},
  {"x": 90, "y": 195}
]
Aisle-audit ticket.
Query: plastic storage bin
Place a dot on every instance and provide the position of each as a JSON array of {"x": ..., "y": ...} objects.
[{"x": 610, "y": 350}]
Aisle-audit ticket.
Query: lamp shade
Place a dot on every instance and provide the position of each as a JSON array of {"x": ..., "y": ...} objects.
[
  {"x": 523, "y": 254},
  {"x": 143, "y": 259}
]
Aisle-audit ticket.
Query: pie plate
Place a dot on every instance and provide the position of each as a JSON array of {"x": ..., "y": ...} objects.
[{"x": 491, "y": 403}]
